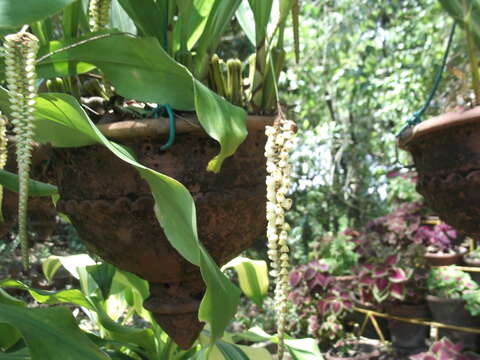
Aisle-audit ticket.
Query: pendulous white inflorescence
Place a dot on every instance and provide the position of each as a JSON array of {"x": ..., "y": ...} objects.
[
  {"x": 99, "y": 11},
  {"x": 281, "y": 140},
  {"x": 3, "y": 153},
  {"x": 20, "y": 54}
]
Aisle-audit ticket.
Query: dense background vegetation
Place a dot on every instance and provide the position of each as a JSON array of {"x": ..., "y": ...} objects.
[{"x": 366, "y": 67}]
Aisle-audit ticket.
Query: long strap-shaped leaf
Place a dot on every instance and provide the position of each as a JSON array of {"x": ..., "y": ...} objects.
[
  {"x": 61, "y": 121},
  {"x": 140, "y": 69},
  {"x": 51, "y": 333},
  {"x": 16, "y": 13}
]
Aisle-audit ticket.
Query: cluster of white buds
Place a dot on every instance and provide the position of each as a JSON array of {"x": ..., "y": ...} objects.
[
  {"x": 20, "y": 53},
  {"x": 99, "y": 11},
  {"x": 3, "y": 153},
  {"x": 281, "y": 140}
]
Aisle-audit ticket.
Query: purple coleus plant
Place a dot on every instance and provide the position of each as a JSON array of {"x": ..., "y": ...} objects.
[
  {"x": 439, "y": 238},
  {"x": 444, "y": 349},
  {"x": 321, "y": 300},
  {"x": 383, "y": 281}
]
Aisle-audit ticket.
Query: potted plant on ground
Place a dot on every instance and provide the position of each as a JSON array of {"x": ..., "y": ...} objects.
[
  {"x": 400, "y": 285},
  {"x": 100, "y": 181},
  {"x": 444, "y": 148},
  {"x": 454, "y": 299},
  {"x": 472, "y": 259},
  {"x": 321, "y": 302},
  {"x": 441, "y": 242},
  {"x": 351, "y": 348},
  {"x": 445, "y": 349},
  {"x": 392, "y": 274}
]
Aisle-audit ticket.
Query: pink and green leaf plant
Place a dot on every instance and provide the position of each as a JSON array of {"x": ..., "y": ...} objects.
[{"x": 444, "y": 349}]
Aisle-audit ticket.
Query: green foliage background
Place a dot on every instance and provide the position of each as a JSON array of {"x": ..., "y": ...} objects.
[{"x": 366, "y": 66}]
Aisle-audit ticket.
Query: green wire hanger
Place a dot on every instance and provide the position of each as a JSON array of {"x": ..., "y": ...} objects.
[
  {"x": 416, "y": 117},
  {"x": 158, "y": 112}
]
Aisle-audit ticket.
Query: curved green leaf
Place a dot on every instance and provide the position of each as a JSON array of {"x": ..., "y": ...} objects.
[
  {"x": 174, "y": 207},
  {"x": 142, "y": 337},
  {"x": 230, "y": 351},
  {"x": 50, "y": 333},
  {"x": 140, "y": 69},
  {"x": 252, "y": 276},
  {"x": 147, "y": 16},
  {"x": 35, "y": 188},
  {"x": 17, "y": 355},
  {"x": 71, "y": 296},
  {"x": 17, "y": 13},
  {"x": 222, "y": 121}
]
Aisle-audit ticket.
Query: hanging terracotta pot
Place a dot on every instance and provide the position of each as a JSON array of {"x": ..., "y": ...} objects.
[
  {"x": 446, "y": 153},
  {"x": 111, "y": 207}
]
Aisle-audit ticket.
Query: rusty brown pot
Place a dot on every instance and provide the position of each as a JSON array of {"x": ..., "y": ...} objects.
[
  {"x": 112, "y": 209},
  {"x": 446, "y": 153}
]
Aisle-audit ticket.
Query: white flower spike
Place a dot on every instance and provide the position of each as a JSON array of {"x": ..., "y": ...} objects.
[{"x": 278, "y": 182}]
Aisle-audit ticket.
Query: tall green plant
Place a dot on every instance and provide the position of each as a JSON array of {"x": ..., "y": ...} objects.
[{"x": 143, "y": 68}]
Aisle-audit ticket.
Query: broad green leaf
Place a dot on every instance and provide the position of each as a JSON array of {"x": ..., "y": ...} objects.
[
  {"x": 17, "y": 13},
  {"x": 35, "y": 188},
  {"x": 120, "y": 20},
  {"x": 62, "y": 68},
  {"x": 261, "y": 14},
  {"x": 141, "y": 337},
  {"x": 228, "y": 352},
  {"x": 174, "y": 206},
  {"x": 256, "y": 353},
  {"x": 222, "y": 121},
  {"x": 299, "y": 349},
  {"x": 103, "y": 276},
  {"x": 7, "y": 299},
  {"x": 73, "y": 20},
  {"x": 245, "y": 18},
  {"x": 71, "y": 263},
  {"x": 140, "y": 69},
  {"x": 252, "y": 276},
  {"x": 221, "y": 298},
  {"x": 50, "y": 333},
  {"x": 303, "y": 349},
  {"x": 196, "y": 23},
  {"x": 148, "y": 17},
  {"x": 8, "y": 334},
  {"x": 50, "y": 267},
  {"x": 137, "y": 287},
  {"x": 460, "y": 11},
  {"x": 219, "y": 16},
  {"x": 17, "y": 355},
  {"x": 71, "y": 296}
]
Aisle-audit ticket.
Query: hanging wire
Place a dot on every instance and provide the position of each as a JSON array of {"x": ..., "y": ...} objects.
[{"x": 416, "y": 117}]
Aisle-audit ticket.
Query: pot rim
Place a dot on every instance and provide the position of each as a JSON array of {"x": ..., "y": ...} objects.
[
  {"x": 438, "y": 299},
  {"x": 134, "y": 128},
  {"x": 441, "y": 122}
]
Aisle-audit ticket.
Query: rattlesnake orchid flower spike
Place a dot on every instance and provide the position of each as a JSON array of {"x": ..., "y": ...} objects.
[
  {"x": 20, "y": 53},
  {"x": 3, "y": 154},
  {"x": 99, "y": 11},
  {"x": 279, "y": 143}
]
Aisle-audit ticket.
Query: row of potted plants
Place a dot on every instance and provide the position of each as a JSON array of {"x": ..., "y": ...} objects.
[{"x": 393, "y": 274}]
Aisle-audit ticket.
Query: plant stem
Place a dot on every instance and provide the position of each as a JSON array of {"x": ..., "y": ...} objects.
[{"x": 472, "y": 57}]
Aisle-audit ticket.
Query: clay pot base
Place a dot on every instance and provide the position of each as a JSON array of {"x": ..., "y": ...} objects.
[
  {"x": 111, "y": 207},
  {"x": 446, "y": 153}
]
